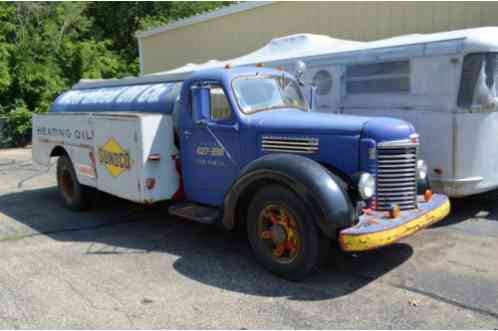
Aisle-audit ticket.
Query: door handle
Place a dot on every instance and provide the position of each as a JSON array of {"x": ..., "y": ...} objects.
[
  {"x": 187, "y": 133},
  {"x": 202, "y": 123}
]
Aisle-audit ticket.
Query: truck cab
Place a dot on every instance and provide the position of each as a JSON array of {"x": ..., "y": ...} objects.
[
  {"x": 248, "y": 153},
  {"x": 230, "y": 118}
]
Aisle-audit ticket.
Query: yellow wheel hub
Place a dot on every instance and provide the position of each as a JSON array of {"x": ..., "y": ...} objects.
[{"x": 278, "y": 230}]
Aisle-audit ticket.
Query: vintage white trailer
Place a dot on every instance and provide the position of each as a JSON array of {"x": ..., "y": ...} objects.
[{"x": 443, "y": 83}]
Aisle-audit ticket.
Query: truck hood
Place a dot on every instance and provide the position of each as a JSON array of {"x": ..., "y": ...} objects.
[{"x": 296, "y": 121}]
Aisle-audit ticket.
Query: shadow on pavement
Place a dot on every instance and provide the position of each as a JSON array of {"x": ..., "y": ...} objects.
[
  {"x": 468, "y": 208},
  {"x": 205, "y": 253}
]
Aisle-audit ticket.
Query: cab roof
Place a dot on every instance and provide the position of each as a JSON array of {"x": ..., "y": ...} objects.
[
  {"x": 227, "y": 75},
  {"x": 165, "y": 77}
]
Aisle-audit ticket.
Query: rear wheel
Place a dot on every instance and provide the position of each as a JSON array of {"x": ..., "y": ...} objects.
[
  {"x": 76, "y": 197},
  {"x": 283, "y": 235}
]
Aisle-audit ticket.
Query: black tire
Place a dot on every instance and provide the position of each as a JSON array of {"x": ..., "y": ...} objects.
[
  {"x": 311, "y": 244},
  {"x": 76, "y": 196}
]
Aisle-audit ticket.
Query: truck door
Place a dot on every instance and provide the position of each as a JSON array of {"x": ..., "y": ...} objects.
[{"x": 210, "y": 149}]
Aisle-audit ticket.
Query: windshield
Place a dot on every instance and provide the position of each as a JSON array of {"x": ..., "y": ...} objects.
[
  {"x": 256, "y": 93},
  {"x": 478, "y": 87}
]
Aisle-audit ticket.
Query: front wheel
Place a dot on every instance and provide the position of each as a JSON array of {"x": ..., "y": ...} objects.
[
  {"x": 76, "y": 197},
  {"x": 283, "y": 235}
]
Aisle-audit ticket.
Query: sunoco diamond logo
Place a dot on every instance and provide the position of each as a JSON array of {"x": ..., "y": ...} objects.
[{"x": 115, "y": 158}]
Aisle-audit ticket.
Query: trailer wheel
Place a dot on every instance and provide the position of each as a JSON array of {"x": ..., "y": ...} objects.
[
  {"x": 76, "y": 196},
  {"x": 283, "y": 236}
]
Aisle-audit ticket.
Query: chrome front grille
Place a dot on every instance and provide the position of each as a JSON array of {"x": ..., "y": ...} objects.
[
  {"x": 397, "y": 176},
  {"x": 303, "y": 145}
]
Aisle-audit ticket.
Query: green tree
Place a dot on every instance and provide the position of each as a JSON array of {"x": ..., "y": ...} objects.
[
  {"x": 46, "y": 47},
  {"x": 135, "y": 15}
]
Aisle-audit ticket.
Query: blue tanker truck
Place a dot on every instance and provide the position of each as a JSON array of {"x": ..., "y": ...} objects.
[{"x": 239, "y": 148}]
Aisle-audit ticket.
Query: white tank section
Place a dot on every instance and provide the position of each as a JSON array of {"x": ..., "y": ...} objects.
[{"x": 129, "y": 155}]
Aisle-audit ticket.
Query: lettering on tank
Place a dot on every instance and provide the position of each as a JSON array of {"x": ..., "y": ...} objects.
[
  {"x": 64, "y": 133},
  {"x": 147, "y": 93}
]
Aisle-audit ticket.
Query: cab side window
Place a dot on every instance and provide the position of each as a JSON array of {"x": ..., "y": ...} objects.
[{"x": 220, "y": 108}]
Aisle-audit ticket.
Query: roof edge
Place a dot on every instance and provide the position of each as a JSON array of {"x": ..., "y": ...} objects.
[{"x": 224, "y": 11}]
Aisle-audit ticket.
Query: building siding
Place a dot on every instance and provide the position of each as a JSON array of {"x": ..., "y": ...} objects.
[{"x": 240, "y": 33}]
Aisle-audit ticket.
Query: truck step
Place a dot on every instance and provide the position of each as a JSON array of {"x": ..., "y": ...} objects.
[{"x": 195, "y": 212}]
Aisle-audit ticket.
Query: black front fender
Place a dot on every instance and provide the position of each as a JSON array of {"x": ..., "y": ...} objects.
[{"x": 320, "y": 189}]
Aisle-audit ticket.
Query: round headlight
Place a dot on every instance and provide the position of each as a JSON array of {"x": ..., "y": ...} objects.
[
  {"x": 366, "y": 185},
  {"x": 421, "y": 169}
]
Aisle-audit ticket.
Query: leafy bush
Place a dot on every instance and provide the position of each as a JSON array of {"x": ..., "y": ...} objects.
[
  {"x": 16, "y": 129},
  {"x": 46, "y": 47}
]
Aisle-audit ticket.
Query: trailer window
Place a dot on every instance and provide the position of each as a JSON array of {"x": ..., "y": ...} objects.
[
  {"x": 478, "y": 88},
  {"x": 386, "y": 77},
  {"x": 220, "y": 109},
  {"x": 323, "y": 82}
]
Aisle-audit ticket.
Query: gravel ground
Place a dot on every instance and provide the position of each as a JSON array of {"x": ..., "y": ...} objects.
[{"x": 124, "y": 266}]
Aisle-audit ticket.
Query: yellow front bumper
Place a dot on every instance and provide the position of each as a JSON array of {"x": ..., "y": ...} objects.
[{"x": 376, "y": 229}]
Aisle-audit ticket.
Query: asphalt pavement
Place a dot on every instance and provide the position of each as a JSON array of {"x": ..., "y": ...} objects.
[{"x": 123, "y": 265}]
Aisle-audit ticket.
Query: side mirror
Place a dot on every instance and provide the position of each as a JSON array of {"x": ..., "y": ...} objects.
[
  {"x": 300, "y": 70},
  {"x": 311, "y": 96},
  {"x": 312, "y": 104},
  {"x": 201, "y": 104}
]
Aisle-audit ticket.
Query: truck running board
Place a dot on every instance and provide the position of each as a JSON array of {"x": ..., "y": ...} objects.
[{"x": 195, "y": 212}]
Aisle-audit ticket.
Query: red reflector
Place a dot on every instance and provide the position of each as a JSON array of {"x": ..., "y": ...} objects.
[
  {"x": 367, "y": 210},
  {"x": 428, "y": 195},
  {"x": 394, "y": 211},
  {"x": 438, "y": 171},
  {"x": 150, "y": 183},
  {"x": 154, "y": 157},
  {"x": 92, "y": 160}
]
